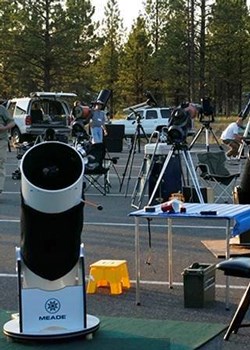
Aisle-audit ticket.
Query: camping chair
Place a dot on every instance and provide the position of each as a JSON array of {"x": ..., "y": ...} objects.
[
  {"x": 98, "y": 166},
  {"x": 211, "y": 168}
]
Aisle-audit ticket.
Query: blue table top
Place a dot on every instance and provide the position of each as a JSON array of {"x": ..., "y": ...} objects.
[{"x": 238, "y": 212}]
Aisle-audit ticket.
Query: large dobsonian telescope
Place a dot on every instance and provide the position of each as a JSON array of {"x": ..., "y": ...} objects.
[{"x": 50, "y": 259}]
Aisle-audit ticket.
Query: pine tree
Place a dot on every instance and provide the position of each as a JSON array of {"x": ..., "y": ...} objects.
[
  {"x": 175, "y": 48},
  {"x": 134, "y": 73},
  {"x": 105, "y": 69},
  {"x": 228, "y": 52},
  {"x": 49, "y": 41}
]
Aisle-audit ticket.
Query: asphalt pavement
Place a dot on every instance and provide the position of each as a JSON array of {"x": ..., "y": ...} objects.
[{"x": 109, "y": 234}]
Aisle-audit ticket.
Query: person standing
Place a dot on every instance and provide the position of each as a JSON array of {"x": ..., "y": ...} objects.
[
  {"x": 6, "y": 123},
  {"x": 97, "y": 123},
  {"x": 230, "y": 137}
]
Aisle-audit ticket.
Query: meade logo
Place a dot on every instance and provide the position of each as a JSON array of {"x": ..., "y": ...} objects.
[
  {"x": 52, "y": 306},
  {"x": 53, "y": 317}
]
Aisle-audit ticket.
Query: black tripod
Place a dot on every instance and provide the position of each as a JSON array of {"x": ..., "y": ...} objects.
[
  {"x": 208, "y": 129},
  {"x": 244, "y": 114},
  {"x": 136, "y": 139}
]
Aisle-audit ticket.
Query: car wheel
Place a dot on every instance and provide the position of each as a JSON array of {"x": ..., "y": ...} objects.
[{"x": 16, "y": 136}]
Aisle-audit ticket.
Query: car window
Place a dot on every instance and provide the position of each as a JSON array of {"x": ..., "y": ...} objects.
[
  {"x": 22, "y": 105},
  {"x": 14, "y": 109},
  {"x": 151, "y": 114},
  {"x": 66, "y": 107},
  {"x": 165, "y": 113},
  {"x": 52, "y": 108},
  {"x": 19, "y": 111},
  {"x": 55, "y": 108},
  {"x": 11, "y": 108}
]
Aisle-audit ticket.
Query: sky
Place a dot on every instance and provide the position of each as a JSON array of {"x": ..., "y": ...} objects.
[{"x": 129, "y": 10}]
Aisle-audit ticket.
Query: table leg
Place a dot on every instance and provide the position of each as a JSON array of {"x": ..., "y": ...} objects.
[
  {"x": 137, "y": 261},
  {"x": 170, "y": 253}
]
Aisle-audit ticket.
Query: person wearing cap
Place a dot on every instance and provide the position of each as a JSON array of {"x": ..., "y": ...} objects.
[
  {"x": 97, "y": 123},
  {"x": 231, "y": 137}
]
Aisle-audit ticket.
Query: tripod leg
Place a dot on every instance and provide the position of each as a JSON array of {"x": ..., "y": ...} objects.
[
  {"x": 131, "y": 164},
  {"x": 116, "y": 172},
  {"x": 130, "y": 156},
  {"x": 141, "y": 184},
  {"x": 144, "y": 175},
  {"x": 241, "y": 148},
  {"x": 245, "y": 134},
  {"x": 143, "y": 132},
  {"x": 214, "y": 136},
  {"x": 207, "y": 139},
  {"x": 160, "y": 176},
  {"x": 190, "y": 166},
  {"x": 138, "y": 137},
  {"x": 196, "y": 137},
  {"x": 112, "y": 164},
  {"x": 140, "y": 131}
]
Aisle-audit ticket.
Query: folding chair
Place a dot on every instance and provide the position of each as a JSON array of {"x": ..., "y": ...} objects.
[
  {"x": 98, "y": 166},
  {"x": 212, "y": 170}
]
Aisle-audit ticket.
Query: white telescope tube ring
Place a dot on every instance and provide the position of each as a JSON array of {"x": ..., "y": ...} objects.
[{"x": 57, "y": 200}]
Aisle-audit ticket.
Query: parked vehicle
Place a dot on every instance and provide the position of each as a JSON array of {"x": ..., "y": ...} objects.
[
  {"x": 150, "y": 118},
  {"x": 40, "y": 111}
]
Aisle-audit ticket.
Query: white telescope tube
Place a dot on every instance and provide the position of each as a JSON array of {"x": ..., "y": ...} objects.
[{"x": 52, "y": 177}]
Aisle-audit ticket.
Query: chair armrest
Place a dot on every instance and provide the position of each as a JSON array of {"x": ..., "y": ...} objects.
[{"x": 204, "y": 169}]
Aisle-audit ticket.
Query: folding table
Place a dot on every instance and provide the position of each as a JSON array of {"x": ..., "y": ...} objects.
[{"x": 236, "y": 217}]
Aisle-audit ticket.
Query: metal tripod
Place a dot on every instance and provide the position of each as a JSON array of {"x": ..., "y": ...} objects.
[
  {"x": 208, "y": 129},
  {"x": 180, "y": 150},
  {"x": 129, "y": 164},
  {"x": 244, "y": 115},
  {"x": 144, "y": 174}
]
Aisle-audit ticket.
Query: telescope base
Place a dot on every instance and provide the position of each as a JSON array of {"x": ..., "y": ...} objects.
[{"x": 12, "y": 330}]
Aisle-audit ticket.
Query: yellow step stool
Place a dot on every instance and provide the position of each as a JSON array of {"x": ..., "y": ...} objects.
[{"x": 112, "y": 273}]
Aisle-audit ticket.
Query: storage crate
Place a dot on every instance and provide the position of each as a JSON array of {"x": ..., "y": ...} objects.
[{"x": 199, "y": 285}]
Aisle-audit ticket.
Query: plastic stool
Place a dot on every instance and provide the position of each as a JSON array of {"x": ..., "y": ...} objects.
[{"x": 112, "y": 273}]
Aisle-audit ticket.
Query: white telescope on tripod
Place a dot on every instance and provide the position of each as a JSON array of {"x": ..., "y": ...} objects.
[{"x": 50, "y": 260}]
